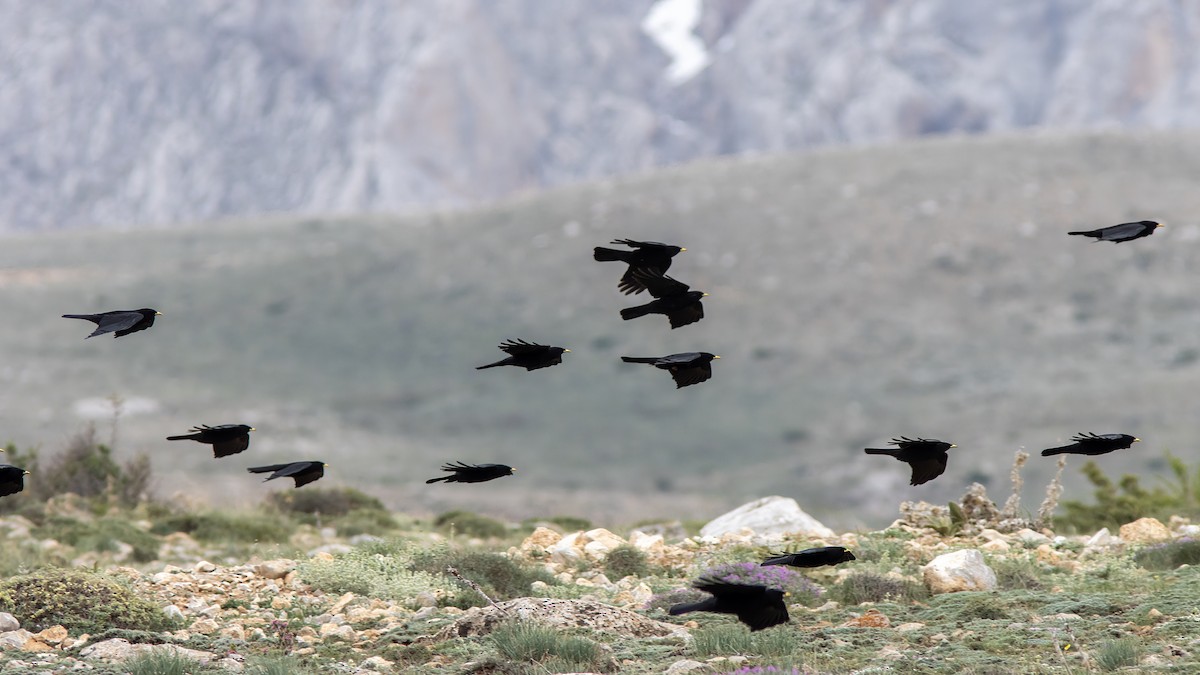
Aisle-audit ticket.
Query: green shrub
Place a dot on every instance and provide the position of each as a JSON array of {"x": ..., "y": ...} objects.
[
  {"x": 500, "y": 576},
  {"x": 571, "y": 523},
  {"x": 82, "y": 602},
  {"x": 625, "y": 560},
  {"x": 326, "y": 502},
  {"x": 728, "y": 638},
  {"x": 1126, "y": 501},
  {"x": 101, "y": 536},
  {"x": 381, "y": 570},
  {"x": 1116, "y": 654},
  {"x": 471, "y": 524},
  {"x": 365, "y": 521},
  {"x": 85, "y": 468},
  {"x": 1016, "y": 574},
  {"x": 222, "y": 527},
  {"x": 534, "y": 643},
  {"x": 1170, "y": 555},
  {"x": 861, "y": 587},
  {"x": 161, "y": 661}
]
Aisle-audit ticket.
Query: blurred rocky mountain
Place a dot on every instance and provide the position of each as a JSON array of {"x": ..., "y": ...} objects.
[{"x": 129, "y": 112}]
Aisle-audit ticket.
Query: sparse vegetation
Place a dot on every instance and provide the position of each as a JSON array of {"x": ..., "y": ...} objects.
[
  {"x": 626, "y": 560},
  {"x": 83, "y": 602},
  {"x": 860, "y": 587},
  {"x": 228, "y": 526},
  {"x": 162, "y": 662},
  {"x": 528, "y": 642},
  {"x": 471, "y": 524}
]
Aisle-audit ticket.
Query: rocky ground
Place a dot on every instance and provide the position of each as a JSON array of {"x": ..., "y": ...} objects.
[{"x": 978, "y": 597}]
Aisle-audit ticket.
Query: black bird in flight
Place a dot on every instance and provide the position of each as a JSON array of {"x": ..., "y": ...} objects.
[
  {"x": 122, "y": 322},
  {"x": 758, "y": 607},
  {"x": 673, "y": 298},
  {"x": 1122, "y": 232},
  {"x": 812, "y": 557},
  {"x": 12, "y": 479},
  {"x": 226, "y": 439},
  {"x": 687, "y": 368},
  {"x": 1091, "y": 444},
  {"x": 528, "y": 355},
  {"x": 473, "y": 473},
  {"x": 303, "y": 472},
  {"x": 926, "y": 456},
  {"x": 648, "y": 256}
]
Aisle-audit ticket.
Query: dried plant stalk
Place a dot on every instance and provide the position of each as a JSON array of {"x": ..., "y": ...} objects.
[
  {"x": 1045, "y": 516},
  {"x": 453, "y": 571},
  {"x": 1014, "y": 500}
]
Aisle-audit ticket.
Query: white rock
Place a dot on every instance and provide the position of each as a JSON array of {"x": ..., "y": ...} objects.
[
  {"x": 684, "y": 666},
  {"x": 1100, "y": 539},
  {"x": 173, "y": 613},
  {"x": 8, "y": 622},
  {"x": 1030, "y": 537},
  {"x": 768, "y": 516},
  {"x": 645, "y": 542},
  {"x": 118, "y": 649},
  {"x": 14, "y": 639},
  {"x": 566, "y": 550},
  {"x": 962, "y": 570}
]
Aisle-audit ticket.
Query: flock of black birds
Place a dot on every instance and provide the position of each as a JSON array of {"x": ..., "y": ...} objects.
[{"x": 757, "y": 606}]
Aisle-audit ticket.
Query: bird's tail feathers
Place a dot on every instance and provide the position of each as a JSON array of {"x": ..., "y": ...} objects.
[
  {"x": 881, "y": 451},
  {"x": 503, "y": 362},
  {"x": 266, "y": 469},
  {"x": 634, "y": 312},
  {"x": 1088, "y": 233},
  {"x": 638, "y": 359},
  {"x": 609, "y": 254},
  {"x": 87, "y": 317},
  {"x": 185, "y": 437},
  {"x": 701, "y": 606},
  {"x": 1057, "y": 451},
  {"x": 781, "y": 559},
  {"x": 434, "y": 480}
]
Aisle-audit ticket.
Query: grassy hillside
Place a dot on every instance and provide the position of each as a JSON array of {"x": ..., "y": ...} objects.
[{"x": 919, "y": 289}]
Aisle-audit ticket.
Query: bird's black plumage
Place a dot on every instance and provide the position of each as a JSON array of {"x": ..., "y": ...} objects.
[
  {"x": 226, "y": 439},
  {"x": 812, "y": 557},
  {"x": 686, "y": 369},
  {"x": 926, "y": 456},
  {"x": 758, "y": 607},
  {"x": 1092, "y": 444},
  {"x": 302, "y": 472},
  {"x": 12, "y": 479},
  {"x": 473, "y": 473},
  {"x": 121, "y": 322},
  {"x": 681, "y": 305},
  {"x": 1122, "y": 232},
  {"x": 648, "y": 256},
  {"x": 528, "y": 355}
]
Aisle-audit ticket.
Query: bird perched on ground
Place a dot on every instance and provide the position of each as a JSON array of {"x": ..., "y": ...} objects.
[
  {"x": 687, "y": 368},
  {"x": 1091, "y": 444},
  {"x": 647, "y": 256},
  {"x": 673, "y": 298},
  {"x": 303, "y": 472},
  {"x": 12, "y": 479},
  {"x": 121, "y": 322},
  {"x": 758, "y": 607},
  {"x": 926, "y": 456},
  {"x": 1122, "y": 232},
  {"x": 812, "y": 557},
  {"x": 226, "y": 439},
  {"x": 473, "y": 473},
  {"x": 528, "y": 355}
]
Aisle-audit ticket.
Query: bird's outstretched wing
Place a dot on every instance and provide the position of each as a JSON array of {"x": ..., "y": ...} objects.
[
  {"x": 928, "y": 468},
  {"x": 521, "y": 347},
  {"x": 694, "y": 374},
  {"x": 686, "y": 315},
  {"x": 119, "y": 321},
  {"x": 659, "y": 285}
]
